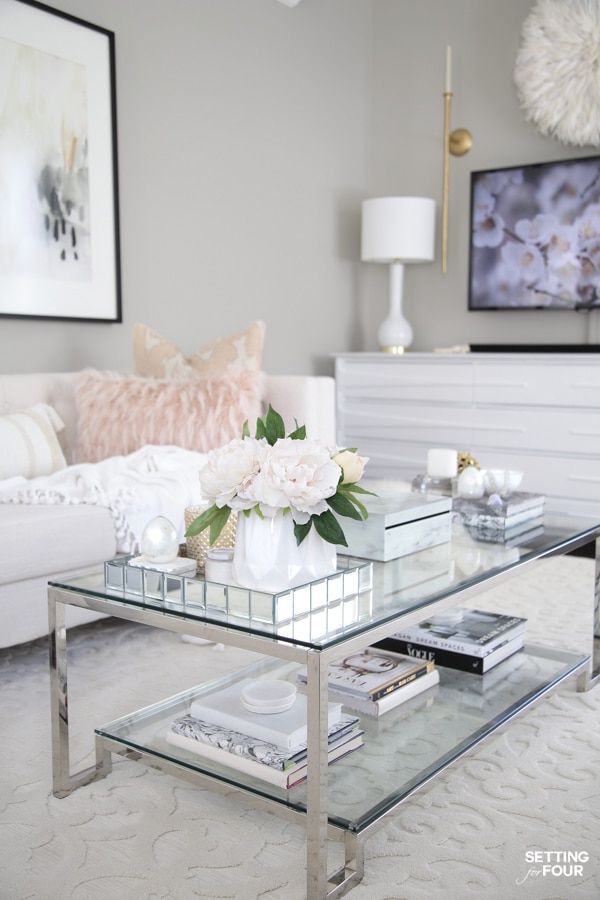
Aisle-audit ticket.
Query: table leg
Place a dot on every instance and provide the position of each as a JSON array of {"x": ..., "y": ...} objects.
[
  {"x": 316, "y": 810},
  {"x": 591, "y": 676},
  {"x": 351, "y": 872},
  {"x": 63, "y": 783}
]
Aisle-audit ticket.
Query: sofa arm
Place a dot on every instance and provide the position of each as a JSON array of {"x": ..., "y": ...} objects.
[{"x": 308, "y": 398}]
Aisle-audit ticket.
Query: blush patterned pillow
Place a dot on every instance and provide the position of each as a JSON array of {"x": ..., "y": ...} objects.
[
  {"x": 156, "y": 357},
  {"x": 117, "y": 414}
]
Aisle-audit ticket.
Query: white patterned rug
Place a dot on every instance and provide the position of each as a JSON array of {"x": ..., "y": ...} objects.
[{"x": 141, "y": 835}]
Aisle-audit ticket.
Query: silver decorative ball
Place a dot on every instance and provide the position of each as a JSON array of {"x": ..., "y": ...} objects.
[{"x": 159, "y": 542}]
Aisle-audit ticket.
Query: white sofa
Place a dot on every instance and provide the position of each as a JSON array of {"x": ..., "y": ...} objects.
[{"x": 43, "y": 542}]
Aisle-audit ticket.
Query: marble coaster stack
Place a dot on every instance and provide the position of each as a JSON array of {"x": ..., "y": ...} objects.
[{"x": 517, "y": 517}]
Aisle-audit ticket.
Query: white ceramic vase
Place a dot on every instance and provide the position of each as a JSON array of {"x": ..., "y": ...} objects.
[{"x": 267, "y": 558}]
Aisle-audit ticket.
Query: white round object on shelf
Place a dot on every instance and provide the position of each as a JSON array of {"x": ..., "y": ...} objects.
[
  {"x": 470, "y": 484},
  {"x": 159, "y": 542},
  {"x": 268, "y": 696},
  {"x": 502, "y": 481}
]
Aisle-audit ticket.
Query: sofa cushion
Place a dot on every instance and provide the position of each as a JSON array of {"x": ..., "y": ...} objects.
[
  {"x": 157, "y": 357},
  {"x": 24, "y": 608},
  {"x": 42, "y": 540},
  {"x": 118, "y": 414}
]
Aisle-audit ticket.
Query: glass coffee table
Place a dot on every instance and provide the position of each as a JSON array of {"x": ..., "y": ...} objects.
[{"x": 403, "y": 749}]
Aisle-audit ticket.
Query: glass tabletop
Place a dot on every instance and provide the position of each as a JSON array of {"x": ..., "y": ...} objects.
[{"x": 400, "y": 586}]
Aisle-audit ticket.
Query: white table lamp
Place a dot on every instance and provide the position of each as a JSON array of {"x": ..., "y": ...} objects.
[{"x": 397, "y": 230}]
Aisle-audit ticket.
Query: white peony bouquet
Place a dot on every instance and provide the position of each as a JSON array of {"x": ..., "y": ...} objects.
[{"x": 272, "y": 474}]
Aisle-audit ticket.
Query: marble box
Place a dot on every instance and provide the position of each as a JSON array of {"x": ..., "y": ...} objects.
[{"x": 398, "y": 525}]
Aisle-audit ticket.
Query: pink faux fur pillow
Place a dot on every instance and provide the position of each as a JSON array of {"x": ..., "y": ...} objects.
[{"x": 118, "y": 414}]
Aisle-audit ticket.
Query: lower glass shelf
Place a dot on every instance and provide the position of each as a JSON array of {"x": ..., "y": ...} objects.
[{"x": 403, "y": 748}]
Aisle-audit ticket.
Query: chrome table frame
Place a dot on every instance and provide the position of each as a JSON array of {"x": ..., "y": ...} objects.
[{"x": 319, "y": 884}]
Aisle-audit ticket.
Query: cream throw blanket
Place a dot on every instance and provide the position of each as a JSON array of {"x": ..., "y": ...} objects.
[{"x": 152, "y": 481}]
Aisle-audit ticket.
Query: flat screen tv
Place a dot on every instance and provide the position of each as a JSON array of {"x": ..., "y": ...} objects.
[{"x": 535, "y": 236}]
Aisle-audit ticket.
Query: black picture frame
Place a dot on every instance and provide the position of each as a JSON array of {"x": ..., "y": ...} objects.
[
  {"x": 67, "y": 268},
  {"x": 534, "y": 168}
]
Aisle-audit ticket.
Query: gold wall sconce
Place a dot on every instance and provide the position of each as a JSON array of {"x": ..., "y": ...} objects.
[{"x": 457, "y": 143}]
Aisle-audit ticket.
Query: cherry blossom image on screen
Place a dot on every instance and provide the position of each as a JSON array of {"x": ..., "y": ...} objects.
[{"x": 535, "y": 237}]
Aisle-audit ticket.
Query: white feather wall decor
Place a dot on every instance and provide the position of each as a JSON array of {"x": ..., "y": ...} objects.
[{"x": 557, "y": 71}]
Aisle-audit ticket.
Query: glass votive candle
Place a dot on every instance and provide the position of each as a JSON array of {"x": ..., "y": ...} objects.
[{"x": 218, "y": 566}]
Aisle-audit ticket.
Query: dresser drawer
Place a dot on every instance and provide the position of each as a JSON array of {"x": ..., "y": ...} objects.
[
  {"x": 363, "y": 420},
  {"x": 397, "y": 380},
  {"x": 387, "y": 458},
  {"x": 553, "y": 476},
  {"x": 546, "y": 430},
  {"x": 551, "y": 384}
]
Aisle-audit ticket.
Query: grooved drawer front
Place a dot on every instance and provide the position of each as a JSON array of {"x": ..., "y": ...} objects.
[
  {"x": 361, "y": 420},
  {"x": 555, "y": 476},
  {"x": 552, "y": 384},
  {"x": 409, "y": 459},
  {"x": 546, "y": 430},
  {"x": 575, "y": 431},
  {"x": 405, "y": 382}
]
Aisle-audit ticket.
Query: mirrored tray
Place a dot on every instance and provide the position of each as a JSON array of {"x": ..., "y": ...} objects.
[{"x": 353, "y": 578}]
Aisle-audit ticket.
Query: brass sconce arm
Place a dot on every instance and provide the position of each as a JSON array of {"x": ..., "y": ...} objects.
[{"x": 457, "y": 143}]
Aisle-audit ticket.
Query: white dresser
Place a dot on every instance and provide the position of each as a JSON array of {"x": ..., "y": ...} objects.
[{"x": 536, "y": 412}]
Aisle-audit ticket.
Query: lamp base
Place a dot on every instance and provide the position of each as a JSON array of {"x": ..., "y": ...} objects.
[{"x": 395, "y": 349}]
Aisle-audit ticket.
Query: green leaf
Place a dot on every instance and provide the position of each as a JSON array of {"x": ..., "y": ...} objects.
[
  {"x": 245, "y": 429},
  {"x": 299, "y": 434},
  {"x": 247, "y": 512},
  {"x": 301, "y": 531},
  {"x": 258, "y": 511},
  {"x": 274, "y": 426},
  {"x": 348, "y": 450},
  {"x": 329, "y": 528},
  {"x": 343, "y": 506},
  {"x": 357, "y": 489},
  {"x": 218, "y": 523},
  {"x": 261, "y": 431},
  {"x": 202, "y": 521},
  {"x": 360, "y": 506}
]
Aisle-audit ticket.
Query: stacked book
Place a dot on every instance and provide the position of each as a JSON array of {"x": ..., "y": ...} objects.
[
  {"x": 272, "y": 748},
  {"x": 375, "y": 681},
  {"x": 510, "y": 520},
  {"x": 468, "y": 639}
]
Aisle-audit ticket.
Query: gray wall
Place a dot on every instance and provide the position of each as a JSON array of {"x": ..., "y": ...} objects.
[
  {"x": 409, "y": 43},
  {"x": 242, "y": 143},
  {"x": 248, "y": 135}
]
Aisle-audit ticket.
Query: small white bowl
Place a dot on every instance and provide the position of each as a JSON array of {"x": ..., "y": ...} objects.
[
  {"x": 268, "y": 696},
  {"x": 502, "y": 481}
]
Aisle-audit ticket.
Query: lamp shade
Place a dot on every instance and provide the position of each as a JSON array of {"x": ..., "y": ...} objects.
[{"x": 398, "y": 229}]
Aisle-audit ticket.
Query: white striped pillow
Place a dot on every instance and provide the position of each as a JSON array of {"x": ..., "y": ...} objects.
[{"x": 28, "y": 442}]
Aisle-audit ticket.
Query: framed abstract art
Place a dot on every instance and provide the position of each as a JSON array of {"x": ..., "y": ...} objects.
[{"x": 59, "y": 217}]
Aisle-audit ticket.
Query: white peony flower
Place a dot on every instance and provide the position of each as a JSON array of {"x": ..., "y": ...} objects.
[
  {"x": 351, "y": 464},
  {"x": 230, "y": 470},
  {"x": 296, "y": 474}
]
